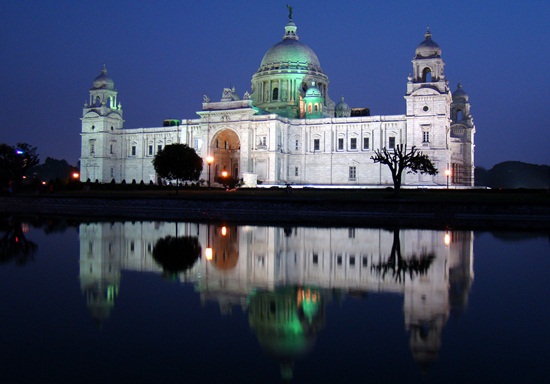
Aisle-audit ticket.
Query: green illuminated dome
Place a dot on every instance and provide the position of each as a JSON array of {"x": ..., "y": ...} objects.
[
  {"x": 285, "y": 74},
  {"x": 290, "y": 53}
]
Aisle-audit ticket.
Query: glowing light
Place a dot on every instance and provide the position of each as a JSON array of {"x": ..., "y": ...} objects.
[
  {"x": 447, "y": 238},
  {"x": 76, "y": 175},
  {"x": 447, "y": 172},
  {"x": 209, "y": 159},
  {"x": 224, "y": 231},
  {"x": 208, "y": 253},
  {"x": 224, "y": 173},
  {"x": 43, "y": 183}
]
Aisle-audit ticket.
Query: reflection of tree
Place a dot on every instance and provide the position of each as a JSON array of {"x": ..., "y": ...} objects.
[
  {"x": 400, "y": 267},
  {"x": 14, "y": 245},
  {"x": 176, "y": 254}
]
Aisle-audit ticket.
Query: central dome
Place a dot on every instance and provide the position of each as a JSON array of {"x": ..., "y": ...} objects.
[
  {"x": 290, "y": 52},
  {"x": 285, "y": 74}
]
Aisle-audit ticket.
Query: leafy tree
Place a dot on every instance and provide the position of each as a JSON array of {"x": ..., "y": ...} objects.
[
  {"x": 54, "y": 169},
  {"x": 178, "y": 162},
  {"x": 15, "y": 161},
  {"x": 399, "y": 160}
]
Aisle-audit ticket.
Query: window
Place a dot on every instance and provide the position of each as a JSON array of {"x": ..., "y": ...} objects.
[
  {"x": 275, "y": 93},
  {"x": 159, "y": 148},
  {"x": 92, "y": 149},
  {"x": 150, "y": 150},
  {"x": 112, "y": 173},
  {"x": 353, "y": 143},
  {"x": 111, "y": 149},
  {"x": 309, "y": 108},
  {"x": 425, "y": 136},
  {"x": 296, "y": 171},
  {"x": 351, "y": 233},
  {"x": 297, "y": 145},
  {"x": 339, "y": 259},
  {"x": 391, "y": 143},
  {"x": 352, "y": 173},
  {"x": 315, "y": 258},
  {"x": 352, "y": 260},
  {"x": 340, "y": 144},
  {"x": 366, "y": 143},
  {"x": 316, "y": 144},
  {"x": 365, "y": 261},
  {"x": 133, "y": 153},
  {"x": 225, "y": 145}
]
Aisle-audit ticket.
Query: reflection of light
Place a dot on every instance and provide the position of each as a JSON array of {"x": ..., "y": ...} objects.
[
  {"x": 208, "y": 253},
  {"x": 447, "y": 238},
  {"x": 224, "y": 231}
]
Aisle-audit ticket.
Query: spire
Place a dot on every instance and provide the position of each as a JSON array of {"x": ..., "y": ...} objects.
[
  {"x": 290, "y": 27},
  {"x": 428, "y": 34}
]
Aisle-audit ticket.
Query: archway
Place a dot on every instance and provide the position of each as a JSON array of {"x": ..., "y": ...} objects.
[{"x": 225, "y": 147}]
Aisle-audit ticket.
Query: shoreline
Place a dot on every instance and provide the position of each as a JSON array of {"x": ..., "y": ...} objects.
[{"x": 285, "y": 210}]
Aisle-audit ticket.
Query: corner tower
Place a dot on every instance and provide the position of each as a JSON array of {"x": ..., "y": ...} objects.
[
  {"x": 286, "y": 72},
  {"x": 101, "y": 127},
  {"x": 462, "y": 139},
  {"x": 428, "y": 109}
]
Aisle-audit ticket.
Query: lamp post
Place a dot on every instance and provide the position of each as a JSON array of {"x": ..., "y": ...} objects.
[
  {"x": 209, "y": 161},
  {"x": 224, "y": 176},
  {"x": 447, "y": 173}
]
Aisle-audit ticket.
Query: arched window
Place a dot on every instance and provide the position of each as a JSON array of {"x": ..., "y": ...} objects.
[
  {"x": 309, "y": 108},
  {"x": 459, "y": 115},
  {"x": 316, "y": 107},
  {"x": 275, "y": 93},
  {"x": 426, "y": 75}
]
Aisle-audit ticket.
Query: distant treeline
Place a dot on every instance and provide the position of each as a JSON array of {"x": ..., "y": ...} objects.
[{"x": 514, "y": 174}]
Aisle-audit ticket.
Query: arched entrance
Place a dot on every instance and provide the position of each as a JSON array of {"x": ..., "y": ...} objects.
[{"x": 225, "y": 148}]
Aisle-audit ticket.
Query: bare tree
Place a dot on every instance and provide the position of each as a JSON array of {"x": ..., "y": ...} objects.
[{"x": 399, "y": 160}]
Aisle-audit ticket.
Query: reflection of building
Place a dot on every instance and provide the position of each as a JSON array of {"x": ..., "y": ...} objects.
[
  {"x": 283, "y": 275},
  {"x": 288, "y": 130}
]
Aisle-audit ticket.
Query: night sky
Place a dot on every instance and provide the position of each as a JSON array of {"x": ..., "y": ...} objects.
[{"x": 165, "y": 55}]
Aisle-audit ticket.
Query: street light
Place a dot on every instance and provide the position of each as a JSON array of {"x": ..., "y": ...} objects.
[
  {"x": 447, "y": 173},
  {"x": 209, "y": 161}
]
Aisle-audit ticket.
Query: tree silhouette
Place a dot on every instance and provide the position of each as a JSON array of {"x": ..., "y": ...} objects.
[
  {"x": 400, "y": 267},
  {"x": 15, "y": 161},
  {"x": 176, "y": 254},
  {"x": 399, "y": 160},
  {"x": 13, "y": 244},
  {"x": 178, "y": 162}
]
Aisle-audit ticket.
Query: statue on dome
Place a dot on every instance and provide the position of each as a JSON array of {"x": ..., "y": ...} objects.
[{"x": 289, "y": 11}]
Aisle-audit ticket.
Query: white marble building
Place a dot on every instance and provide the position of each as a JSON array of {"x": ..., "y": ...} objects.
[{"x": 288, "y": 130}]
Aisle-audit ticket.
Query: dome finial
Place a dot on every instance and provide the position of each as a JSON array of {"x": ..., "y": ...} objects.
[
  {"x": 428, "y": 34},
  {"x": 289, "y": 12}
]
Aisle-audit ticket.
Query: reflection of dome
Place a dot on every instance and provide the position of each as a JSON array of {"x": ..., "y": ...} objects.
[
  {"x": 286, "y": 322},
  {"x": 290, "y": 53},
  {"x": 459, "y": 96},
  {"x": 428, "y": 48},
  {"x": 103, "y": 81}
]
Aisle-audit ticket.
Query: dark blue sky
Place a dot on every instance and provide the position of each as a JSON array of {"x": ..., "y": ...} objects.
[{"x": 164, "y": 55}]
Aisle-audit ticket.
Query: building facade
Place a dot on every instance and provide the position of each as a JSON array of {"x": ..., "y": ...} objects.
[{"x": 288, "y": 130}]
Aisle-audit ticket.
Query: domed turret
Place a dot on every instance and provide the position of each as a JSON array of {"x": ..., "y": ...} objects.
[
  {"x": 459, "y": 96},
  {"x": 342, "y": 109},
  {"x": 286, "y": 71},
  {"x": 103, "y": 81},
  {"x": 428, "y": 48}
]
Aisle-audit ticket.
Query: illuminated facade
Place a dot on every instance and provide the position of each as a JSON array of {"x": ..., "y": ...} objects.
[
  {"x": 283, "y": 277},
  {"x": 288, "y": 130}
]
